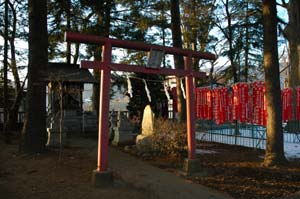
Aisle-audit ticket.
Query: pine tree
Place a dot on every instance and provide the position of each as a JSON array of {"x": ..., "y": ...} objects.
[
  {"x": 17, "y": 23},
  {"x": 240, "y": 23}
]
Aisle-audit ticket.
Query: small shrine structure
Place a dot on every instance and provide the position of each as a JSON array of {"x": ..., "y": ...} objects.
[{"x": 65, "y": 94}]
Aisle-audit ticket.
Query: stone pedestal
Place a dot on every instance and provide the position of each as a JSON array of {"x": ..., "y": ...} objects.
[
  {"x": 102, "y": 179},
  {"x": 191, "y": 166}
]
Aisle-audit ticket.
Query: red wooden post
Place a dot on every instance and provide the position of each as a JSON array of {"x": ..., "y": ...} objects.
[
  {"x": 104, "y": 110},
  {"x": 190, "y": 111}
]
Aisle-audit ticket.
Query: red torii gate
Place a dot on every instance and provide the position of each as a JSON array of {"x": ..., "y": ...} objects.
[{"x": 106, "y": 66}]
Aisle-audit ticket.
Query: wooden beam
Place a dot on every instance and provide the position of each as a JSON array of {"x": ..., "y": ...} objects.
[
  {"x": 134, "y": 45},
  {"x": 140, "y": 69}
]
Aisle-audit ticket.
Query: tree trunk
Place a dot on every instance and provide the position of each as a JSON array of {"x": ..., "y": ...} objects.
[
  {"x": 178, "y": 60},
  {"x": 291, "y": 32},
  {"x": 230, "y": 41},
  {"x": 76, "y": 54},
  {"x": 34, "y": 135},
  {"x": 68, "y": 14},
  {"x": 274, "y": 147},
  {"x": 247, "y": 43},
  {"x": 13, "y": 64},
  {"x": 11, "y": 124},
  {"x": 5, "y": 82}
]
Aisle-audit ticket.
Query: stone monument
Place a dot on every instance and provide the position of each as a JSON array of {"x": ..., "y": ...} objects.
[
  {"x": 123, "y": 131},
  {"x": 143, "y": 141}
]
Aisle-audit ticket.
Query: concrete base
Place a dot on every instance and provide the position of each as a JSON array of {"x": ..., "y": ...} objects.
[
  {"x": 191, "y": 166},
  {"x": 102, "y": 179}
]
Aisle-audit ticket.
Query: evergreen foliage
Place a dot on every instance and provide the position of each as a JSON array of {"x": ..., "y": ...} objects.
[{"x": 240, "y": 23}]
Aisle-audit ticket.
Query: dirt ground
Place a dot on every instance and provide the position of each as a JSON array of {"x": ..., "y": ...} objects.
[
  {"x": 43, "y": 176},
  {"x": 230, "y": 169},
  {"x": 238, "y": 172}
]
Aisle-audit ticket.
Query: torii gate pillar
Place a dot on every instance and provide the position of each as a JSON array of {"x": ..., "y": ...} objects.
[
  {"x": 101, "y": 175},
  {"x": 191, "y": 163}
]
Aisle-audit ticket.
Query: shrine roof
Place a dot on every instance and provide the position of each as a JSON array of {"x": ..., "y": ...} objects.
[{"x": 69, "y": 73}]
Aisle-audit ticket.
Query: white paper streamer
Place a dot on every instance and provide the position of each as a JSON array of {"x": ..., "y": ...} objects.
[
  {"x": 182, "y": 88},
  {"x": 166, "y": 91},
  {"x": 129, "y": 87},
  {"x": 147, "y": 91}
]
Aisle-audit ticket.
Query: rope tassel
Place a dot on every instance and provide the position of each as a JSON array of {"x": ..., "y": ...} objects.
[
  {"x": 182, "y": 88},
  {"x": 147, "y": 91},
  {"x": 129, "y": 87},
  {"x": 166, "y": 92}
]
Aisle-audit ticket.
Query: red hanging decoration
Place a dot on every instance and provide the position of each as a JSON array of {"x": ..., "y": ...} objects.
[
  {"x": 250, "y": 105},
  {"x": 298, "y": 104},
  {"x": 258, "y": 103},
  {"x": 203, "y": 103},
  {"x": 224, "y": 104},
  {"x": 216, "y": 105},
  {"x": 264, "y": 111},
  {"x": 208, "y": 104},
  {"x": 235, "y": 103},
  {"x": 287, "y": 104},
  {"x": 229, "y": 108},
  {"x": 198, "y": 105},
  {"x": 240, "y": 101},
  {"x": 220, "y": 104}
]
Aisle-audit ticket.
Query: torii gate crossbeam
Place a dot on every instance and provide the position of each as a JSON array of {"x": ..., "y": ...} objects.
[{"x": 106, "y": 66}]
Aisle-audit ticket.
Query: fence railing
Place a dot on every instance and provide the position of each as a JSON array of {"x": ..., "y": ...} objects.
[
  {"x": 20, "y": 119},
  {"x": 243, "y": 134}
]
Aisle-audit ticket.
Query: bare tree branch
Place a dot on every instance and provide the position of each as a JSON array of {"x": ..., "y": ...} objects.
[{"x": 283, "y": 4}]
